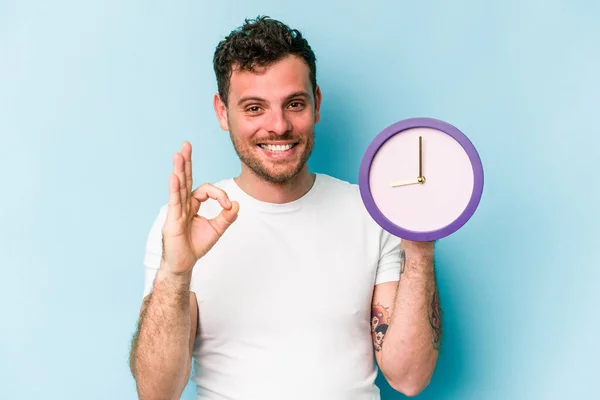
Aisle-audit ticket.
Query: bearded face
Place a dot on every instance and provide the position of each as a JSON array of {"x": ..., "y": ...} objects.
[{"x": 271, "y": 116}]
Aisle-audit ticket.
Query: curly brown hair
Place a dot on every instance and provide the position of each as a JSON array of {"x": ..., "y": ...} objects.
[{"x": 258, "y": 43}]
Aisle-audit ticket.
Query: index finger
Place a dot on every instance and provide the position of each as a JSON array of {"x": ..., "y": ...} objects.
[{"x": 206, "y": 191}]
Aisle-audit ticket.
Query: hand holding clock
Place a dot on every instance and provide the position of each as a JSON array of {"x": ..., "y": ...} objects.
[{"x": 419, "y": 216}]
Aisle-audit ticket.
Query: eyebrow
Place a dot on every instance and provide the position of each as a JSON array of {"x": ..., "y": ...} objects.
[{"x": 301, "y": 93}]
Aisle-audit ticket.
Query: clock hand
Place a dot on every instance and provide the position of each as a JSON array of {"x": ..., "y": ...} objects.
[
  {"x": 421, "y": 178},
  {"x": 404, "y": 183},
  {"x": 420, "y": 156}
]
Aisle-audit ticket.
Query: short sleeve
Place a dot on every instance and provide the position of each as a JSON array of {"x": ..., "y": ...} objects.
[
  {"x": 153, "y": 251},
  {"x": 388, "y": 268}
]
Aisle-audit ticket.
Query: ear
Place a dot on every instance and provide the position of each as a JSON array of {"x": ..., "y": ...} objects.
[
  {"x": 221, "y": 111},
  {"x": 318, "y": 98}
]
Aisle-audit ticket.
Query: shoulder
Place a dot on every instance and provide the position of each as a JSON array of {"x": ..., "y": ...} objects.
[
  {"x": 344, "y": 196},
  {"x": 339, "y": 189},
  {"x": 341, "y": 201},
  {"x": 337, "y": 185}
]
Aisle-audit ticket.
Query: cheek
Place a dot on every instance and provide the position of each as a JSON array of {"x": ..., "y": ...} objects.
[
  {"x": 303, "y": 122},
  {"x": 244, "y": 128}
]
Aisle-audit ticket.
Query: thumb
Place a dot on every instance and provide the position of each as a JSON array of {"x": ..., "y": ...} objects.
[{"x": 226, "y": 217}]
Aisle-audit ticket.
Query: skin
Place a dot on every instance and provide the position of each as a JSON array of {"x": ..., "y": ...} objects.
[
  {"x": 407, "y": 352},
  {"x": 272, "y": 105}
]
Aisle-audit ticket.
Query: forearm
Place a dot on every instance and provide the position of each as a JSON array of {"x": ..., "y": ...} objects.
[
  {"x": 160, "y": 355},
  {"x": 413, "y": 336}
]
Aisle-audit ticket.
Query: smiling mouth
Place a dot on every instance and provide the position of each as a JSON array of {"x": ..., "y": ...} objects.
[{"x": 277, "y": 148}]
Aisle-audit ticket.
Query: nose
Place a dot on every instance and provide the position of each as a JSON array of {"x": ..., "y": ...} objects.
[{"x": 278, "y": 123}]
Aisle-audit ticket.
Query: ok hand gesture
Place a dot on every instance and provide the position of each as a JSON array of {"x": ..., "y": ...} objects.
[{"x": 188, "y": 236}]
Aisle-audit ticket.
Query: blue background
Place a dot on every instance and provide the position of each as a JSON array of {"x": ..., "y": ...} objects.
[{"x": 96, "y": 96}]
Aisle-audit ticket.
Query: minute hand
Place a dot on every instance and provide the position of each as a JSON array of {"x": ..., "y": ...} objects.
[{"x": 420, "y": 157}]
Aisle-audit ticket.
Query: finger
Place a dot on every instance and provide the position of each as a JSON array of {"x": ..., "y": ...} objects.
[
  {"x": 205, "y": 191},
  {"x": 194, "y": 205},
  {"x": 179, "y": 170},
  {"x": 225, "y": 218},
  {"x": 186, "y": 152},
  {"x": 174, "y": 211}
]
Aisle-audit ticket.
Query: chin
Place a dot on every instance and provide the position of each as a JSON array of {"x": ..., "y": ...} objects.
[{"x": 279, "y": 175}]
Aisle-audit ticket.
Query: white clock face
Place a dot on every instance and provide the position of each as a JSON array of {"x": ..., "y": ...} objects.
[{"x": 448, "y": 184}]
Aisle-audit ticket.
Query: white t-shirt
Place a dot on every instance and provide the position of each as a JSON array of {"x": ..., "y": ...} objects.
[{"x": 284, "y": 296}]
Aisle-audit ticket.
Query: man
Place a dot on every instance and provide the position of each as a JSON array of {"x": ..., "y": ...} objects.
[{"x": 277, "y": 284}]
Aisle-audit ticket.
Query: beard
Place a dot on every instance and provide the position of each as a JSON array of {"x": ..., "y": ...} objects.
[{"x": 275, "y": 171}]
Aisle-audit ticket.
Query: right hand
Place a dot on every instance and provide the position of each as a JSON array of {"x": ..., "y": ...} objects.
[{"x": 188, "y": 236}]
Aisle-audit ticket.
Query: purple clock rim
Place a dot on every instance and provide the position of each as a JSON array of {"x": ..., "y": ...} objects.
[{"x": 364, "y": 180}]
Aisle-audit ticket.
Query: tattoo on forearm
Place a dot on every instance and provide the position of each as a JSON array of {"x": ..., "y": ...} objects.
[
  {"x": 435, "y": 320},
  {"x": 402, "y": 260},
  {"x": 379, "y": 323}
]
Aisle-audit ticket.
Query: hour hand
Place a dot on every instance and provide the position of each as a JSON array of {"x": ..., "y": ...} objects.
[{"x": 404, "y": 183}]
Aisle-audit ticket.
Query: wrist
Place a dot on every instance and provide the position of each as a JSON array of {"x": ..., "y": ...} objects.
[
  {"x": 165, "y": 273},
  {"x": 420, "y": 250},
  {"x": 418, "y": 258}
]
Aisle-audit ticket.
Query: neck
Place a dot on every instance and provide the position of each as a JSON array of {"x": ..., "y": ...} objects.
[{"x": 278, "y": 193}]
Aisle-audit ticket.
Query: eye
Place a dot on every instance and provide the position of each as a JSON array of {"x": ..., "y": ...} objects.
[
  {"x": 296, "y": 105},
  {"x": 253, "y": 109}
]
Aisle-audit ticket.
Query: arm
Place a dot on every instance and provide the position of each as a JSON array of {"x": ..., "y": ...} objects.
[
  {"x": 406, "y": 321},
  {"x": 161, "y": 352}
]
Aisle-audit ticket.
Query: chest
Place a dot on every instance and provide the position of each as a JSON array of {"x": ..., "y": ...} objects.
[{"x": 269, "y": 277}]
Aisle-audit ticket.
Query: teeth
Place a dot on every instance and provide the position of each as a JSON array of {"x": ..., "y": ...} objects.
[{"x": 276, "y": 148}]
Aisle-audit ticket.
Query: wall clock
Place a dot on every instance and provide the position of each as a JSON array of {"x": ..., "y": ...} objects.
[{"x": 421, "y": 179}]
